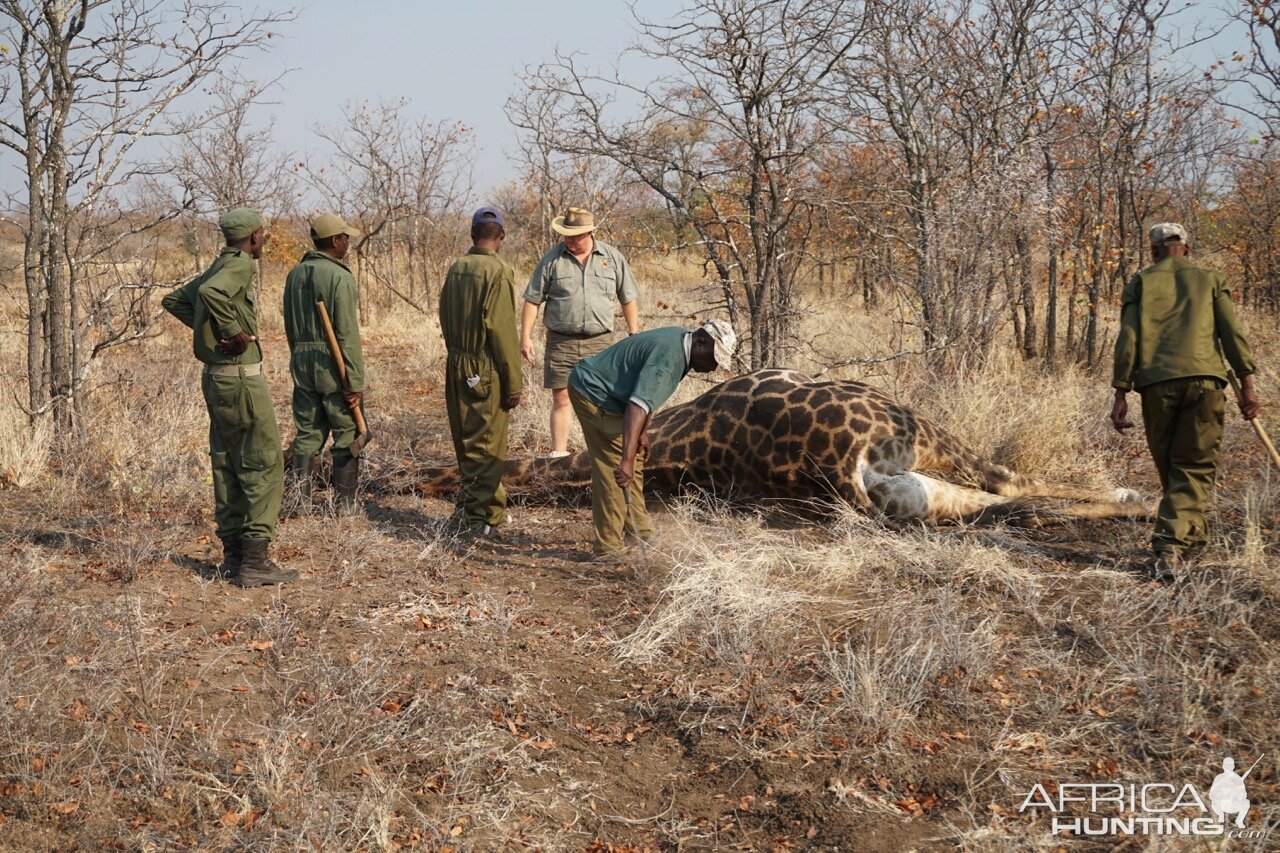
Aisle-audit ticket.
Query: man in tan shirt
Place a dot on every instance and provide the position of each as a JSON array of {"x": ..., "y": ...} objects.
[{"x": 578, "y": 281}]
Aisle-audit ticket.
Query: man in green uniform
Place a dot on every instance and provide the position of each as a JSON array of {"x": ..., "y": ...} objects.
[
  {"x": 578, "y": 282},
  {"x": 482, "y": 375},
  {"x": 614, "y": 395},
  {"x": 1176, "y": 323},
  {"x": 244, "y": 442},
  {"x": 321, "y": 406}
]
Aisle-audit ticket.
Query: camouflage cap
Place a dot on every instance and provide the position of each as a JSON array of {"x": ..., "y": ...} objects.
[
  {"x": 1168, "y": 232},
  {"x": 239, "y": 223},
  {"x": 726, "y": 342}
]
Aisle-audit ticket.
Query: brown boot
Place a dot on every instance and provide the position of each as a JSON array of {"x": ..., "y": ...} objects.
[
  {"x": 232, "y": 561},
  {"x": 258, "y": 570}
]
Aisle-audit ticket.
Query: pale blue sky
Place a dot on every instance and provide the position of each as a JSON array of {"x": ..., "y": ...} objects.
[{"x": 452, "y": 60}]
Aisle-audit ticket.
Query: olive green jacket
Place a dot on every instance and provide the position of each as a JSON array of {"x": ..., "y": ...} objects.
[
  {"x": 478, "y": 320},
  {"x": 1174, "y": 319},
  {"x": 219, "y": 304},
  {"x": 319, "y": 276}
]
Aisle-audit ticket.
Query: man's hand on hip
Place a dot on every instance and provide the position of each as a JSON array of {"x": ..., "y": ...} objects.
[{"x": 236, "y": 345}]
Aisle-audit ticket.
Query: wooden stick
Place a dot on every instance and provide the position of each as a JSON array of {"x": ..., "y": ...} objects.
[
  {"x": 336, "y": 352},
  {"x": 1257, "y": 422}
]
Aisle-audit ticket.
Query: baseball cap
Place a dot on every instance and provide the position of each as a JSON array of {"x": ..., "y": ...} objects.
[
  {"x": 239, "y": 223},
  {"x": 331, "y": 225},
  {"x": 487, "y": 214},
  {"x": 1167, "y": 232},
  {"x": 725, "y": 340}
]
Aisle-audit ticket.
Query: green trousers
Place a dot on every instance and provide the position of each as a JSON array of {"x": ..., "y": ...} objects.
[
  {"x": 319, "y": 409},
  {"x": 244, "y": 451},
  {"x": 478, "y": 424},
  {"x": 1183, "y": 419},
  {"x": 603, "y": 433}
]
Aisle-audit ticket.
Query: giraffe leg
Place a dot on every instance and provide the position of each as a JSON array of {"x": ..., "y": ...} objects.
[{"x": 912, "y": 496}]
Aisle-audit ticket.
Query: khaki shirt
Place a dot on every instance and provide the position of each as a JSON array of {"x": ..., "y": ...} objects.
[
  {"x": 580, "y": 298},
  {"x": 319, "y": 276},
  {"x": 218, "y": 304},
  {"x": 478, "y": 319},
  {"x": 1174, "y": 318}
]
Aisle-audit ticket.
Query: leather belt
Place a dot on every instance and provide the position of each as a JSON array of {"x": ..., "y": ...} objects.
[
  {"x": 579, "y": 336},
  {"x": 233, "y": 369}
]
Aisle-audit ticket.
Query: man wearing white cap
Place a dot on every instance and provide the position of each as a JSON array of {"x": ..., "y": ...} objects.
[
  {"x": 578, "y": 282},
  {"x": 321, "y": 406},
  {"x": 1176, "y": 325},
  {"x": 614, "y": 395}
]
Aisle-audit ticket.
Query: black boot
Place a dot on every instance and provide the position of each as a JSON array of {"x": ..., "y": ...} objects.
[
  {"x": 232, "y": 561},
  {"x": 300, "y": 474},
  {"x": 257, "y": 569},
  {"x": 346, "y": 480}
]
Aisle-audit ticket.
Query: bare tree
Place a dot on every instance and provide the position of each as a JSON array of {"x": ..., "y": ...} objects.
[
  {"x": 558, "y": 179},
  {"x": 230, "y": 161},
  {"x": 727, "y": 139},
  {"x": 946, "y": 92},
  {"x": 403, "y": 180},
  {"x": 83, "y": 81}
]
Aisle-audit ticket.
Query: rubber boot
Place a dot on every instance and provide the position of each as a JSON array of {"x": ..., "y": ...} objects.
[
  {"x": 346, "y": 481},
  {"x": 303, "y": 468},
  {"x": 258, "y": 570},
  {"x": 232, "y": 561}
]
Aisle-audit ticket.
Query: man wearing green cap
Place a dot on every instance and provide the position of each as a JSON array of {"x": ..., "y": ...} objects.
[
  {"x": 244, "y": 442},
  {"x": 1176, "y": 324},
  {"x": 321, "y": 406},
  {"x": 482, "y": 373}
]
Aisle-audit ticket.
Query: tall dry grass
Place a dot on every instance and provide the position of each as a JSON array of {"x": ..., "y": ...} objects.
[{"x": 958, "y": 662}]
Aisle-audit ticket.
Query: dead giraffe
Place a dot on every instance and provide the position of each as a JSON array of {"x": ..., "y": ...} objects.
[{"x": 781, "y": 435}]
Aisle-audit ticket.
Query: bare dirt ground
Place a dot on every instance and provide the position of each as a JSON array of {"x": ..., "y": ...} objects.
[{"x": 761, "y": 682}]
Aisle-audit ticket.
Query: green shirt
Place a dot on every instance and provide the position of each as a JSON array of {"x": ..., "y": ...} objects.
[
  {"x": 580, "y": 298},
  {"x": 319, "y": 276},
  {"x": 478, "y": 316},
  {"x": 1174, "y": 318},
  {"x": 218, "y": 304},
  {"x": 644, "y": 369}
]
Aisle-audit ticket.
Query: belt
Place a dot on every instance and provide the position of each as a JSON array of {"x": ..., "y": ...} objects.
[
  {"x": 578, "y": 336},
  {"x": 233, "y": 369}
]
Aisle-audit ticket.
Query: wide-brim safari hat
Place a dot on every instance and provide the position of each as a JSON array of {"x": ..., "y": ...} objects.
[{"x": 574, "y": 222}]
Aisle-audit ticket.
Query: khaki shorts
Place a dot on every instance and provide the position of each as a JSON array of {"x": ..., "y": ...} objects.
[{"x": 563, "y": 353}]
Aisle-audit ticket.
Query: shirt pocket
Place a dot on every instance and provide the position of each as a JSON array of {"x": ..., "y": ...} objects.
[{"x": 564, "y": 285}]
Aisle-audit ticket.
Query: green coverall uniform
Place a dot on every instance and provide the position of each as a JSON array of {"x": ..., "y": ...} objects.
[
  {"x": 244, "y": 441},
  {"x": 478, "y": 320},
  {"x": 319, "y": 409},
  {"x": 1176, "y": 324}
]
